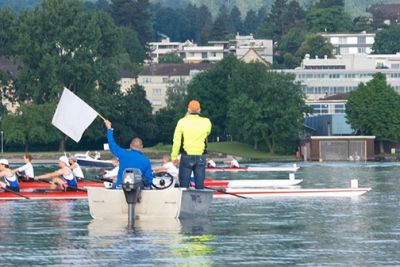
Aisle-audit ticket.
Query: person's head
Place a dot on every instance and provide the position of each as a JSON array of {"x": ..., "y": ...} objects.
[
  {"x": 63, "y": 161},
  {"x": 27, "y": 158},
  {"x": 3, "y": 164},
  {"x": 136, "y": 144},
  {"x": 166, "y": 158},
  {"x": 72, "y": 160},
  {"x": 194, "y": 107},
  {"x": 115, "y": 162}
]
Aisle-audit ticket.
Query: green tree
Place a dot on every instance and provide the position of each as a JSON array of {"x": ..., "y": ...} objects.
[
  {"x": 31, "y": 124},
  {"x": 8, "y": 31},
  {"x": 332, "y": 19},
  {"x": 363, "y": 23},
  {"x": 170, "y": 58},
  {"x": 268, "y": 107},
  {"x": 235, "y": 20},
  {"x": 387, "y": 41},
  {"x": 134, "y": 14},
  {"x": 133, "y": 117},
  {"x": 330, "y": 3},
  {"x": 211, "y": 89},
  {"x": 373, "y": 109},
  {"x": 250, "y": 22},
  {"x": 220, "y": 27},
  {"x": 288, "y": 47},
  {"x": 315, "y": 45}
]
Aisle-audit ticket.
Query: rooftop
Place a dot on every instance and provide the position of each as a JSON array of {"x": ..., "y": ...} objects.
[{"x": 173, "y": 69}]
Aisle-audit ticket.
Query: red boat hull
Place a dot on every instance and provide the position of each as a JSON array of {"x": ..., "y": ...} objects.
[{"x": 50, "y": 195}]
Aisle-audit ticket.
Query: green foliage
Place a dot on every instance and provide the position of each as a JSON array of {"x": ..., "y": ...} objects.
[
  {"x": 8, "y": 32},
  {"x": 332, "y": 19},
  {"x": 170, "y": 58},
  {"x": 387, "y": 41},
  {"x": 211, "y": 89},
  {"x": 268, "y": 107},
  {"x": 373, "y": 109},
  {"x": 315, "y": 45},
  {"x": 30, "y": 124},
  {"x": 220, "y": 29},
  {"x": 330, "y": 3}
]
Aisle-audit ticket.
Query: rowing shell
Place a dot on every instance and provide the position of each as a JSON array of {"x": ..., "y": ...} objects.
[
  {"x": 50, "y": 195},
  {"x": 293, "y": 168},
  {"x": 207, "y": 182},
  {"x": 271, "y": 193}
]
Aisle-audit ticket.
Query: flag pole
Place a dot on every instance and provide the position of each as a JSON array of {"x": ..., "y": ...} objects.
[{"x": 101, "y": 117}]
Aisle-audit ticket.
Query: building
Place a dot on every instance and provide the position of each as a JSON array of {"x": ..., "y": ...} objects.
[
  {"x": 339, "y": 148},
  {"x": 243, "y": 43},
  {"x": 350, "y": 43},
  {"x": 10, "y": 67},
  {"x": 203, "y": 54},
  {"x": 322, "y": 77},
  {"x": 158, "y": 49},
  {"x": 389, "y": 12},
  {"x": 252, "y": 56},
  {"x": 157, "y": 78}
]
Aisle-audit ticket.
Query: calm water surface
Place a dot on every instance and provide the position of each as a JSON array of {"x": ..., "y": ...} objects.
[{"x": 363, "y": 231}]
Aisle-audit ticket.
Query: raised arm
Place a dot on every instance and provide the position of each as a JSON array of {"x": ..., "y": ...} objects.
[
  {"x": 57, "y": 173},
  {"x": 114, "y": 147}
]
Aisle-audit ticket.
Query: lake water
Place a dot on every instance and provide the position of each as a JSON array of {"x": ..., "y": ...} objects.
[{"x": 363, "y": 231}]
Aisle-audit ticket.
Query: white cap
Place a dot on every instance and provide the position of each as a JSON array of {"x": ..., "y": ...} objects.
[
  {"x": 64, "y": 159},
  {"x": 4, "y": 161}
]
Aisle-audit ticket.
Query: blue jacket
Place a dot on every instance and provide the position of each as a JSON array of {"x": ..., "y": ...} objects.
[{"x": 130, "y": 159}]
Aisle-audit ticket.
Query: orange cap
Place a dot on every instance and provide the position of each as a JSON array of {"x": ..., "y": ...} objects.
[{"x": 194, "y": 106}]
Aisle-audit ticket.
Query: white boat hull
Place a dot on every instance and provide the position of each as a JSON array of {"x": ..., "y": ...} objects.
[
  {"x": 169, "y": 203},
  {"x": 273, "y": 193},
  {"x": 293, "y": 168},
  {"x": 263, "y": 183}
]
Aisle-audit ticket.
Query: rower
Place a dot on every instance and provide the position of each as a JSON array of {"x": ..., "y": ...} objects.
[
  {"x": 234, "y": 164},
  {"x": 10, "y": 179},
  {"x": 167, "y": 166},
  {"x": 76, "y": 169},
  {"x": 211, "y": 164},
  {"x": 25, "y": 172},
  {"x": 112, "y": 174},
  {"x": 62, "y": 178}
]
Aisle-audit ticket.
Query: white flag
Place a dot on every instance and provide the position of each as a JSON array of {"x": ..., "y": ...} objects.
[{"x": 73, "y": 115}]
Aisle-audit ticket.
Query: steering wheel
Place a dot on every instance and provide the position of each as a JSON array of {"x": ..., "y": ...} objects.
[{"x": 165, "y": 180}]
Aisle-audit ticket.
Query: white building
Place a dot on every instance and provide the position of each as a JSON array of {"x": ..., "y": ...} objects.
[
  {"x": 158, "y": 49},
  {"x": 330, "y": 76},
  {"x": 199, "y": 54},
  {"x": 263, "y": 47},
  {"x": 351, "y": 43},
  {"x": 157, "y": 78}
]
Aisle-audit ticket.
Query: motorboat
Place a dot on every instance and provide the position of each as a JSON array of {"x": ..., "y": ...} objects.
[{"x": 85, "y": 160}]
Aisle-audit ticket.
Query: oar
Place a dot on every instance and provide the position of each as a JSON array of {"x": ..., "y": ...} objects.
[
  {"x": 16, "y": 193},
  {"x": 228, "y": 193}
]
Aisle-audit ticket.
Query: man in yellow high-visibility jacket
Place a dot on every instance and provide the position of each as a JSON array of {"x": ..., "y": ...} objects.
[{"x": 190, "y": 140}]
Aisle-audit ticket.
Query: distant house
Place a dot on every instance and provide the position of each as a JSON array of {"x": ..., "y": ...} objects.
[
  {"x": 252, "y": 56},
  {"x": 389, "y": 12},
  {"x": 351, "y": 43},
  {"x": 10, "y": 67},
  {"x": 164, "y": 47},
  {"x": 157, "y": 78},
  {"x": 203, "y": 54},
  {"x": 243, "y": 43}
]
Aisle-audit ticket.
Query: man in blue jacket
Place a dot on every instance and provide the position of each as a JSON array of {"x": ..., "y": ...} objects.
[{"x": 129, "y": 158}]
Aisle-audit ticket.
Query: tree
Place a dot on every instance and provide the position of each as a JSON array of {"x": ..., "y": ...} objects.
[
  {"x": 315, "y": 45},
  {"x": 387, "y": 41},
  {"x": 289, "y": 45},
  {"x": 30, "y": 124},
  {"x": 250, "y": 22},
  {"x": 278, "y": 18},
  {"x": 220, "y": 27},
  {"x": 170, "y": 58},
  {"x": 71, "y": 48},
  {"x": 373, "y": 109},
  {"x": 135, "y": 118},
  {"x": 363, "y": 23},
  {"x": 211, "y": 89},
  {"x": 268, "y": 107},
  {"x": 134, "y": 14},
  {"x": 332, "y": 19},
  {"x": 235, "y": 20},
  {"x": 330, "y": 3},
  {"x": 8, "y": 32}
]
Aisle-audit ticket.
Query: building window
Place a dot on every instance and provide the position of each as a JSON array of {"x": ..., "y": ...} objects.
[
  {"x": 204, "y": 55},
  {"x": 339, "y": 108},
  {"x": 362, "y": 50},
  {"x": 361, "y": 40},
  {"x": 156, "y": 91},
  {"x": 342, "y": 40},
  {"x": 146, "y": 80},
  {"x": 165, "y": 80}
]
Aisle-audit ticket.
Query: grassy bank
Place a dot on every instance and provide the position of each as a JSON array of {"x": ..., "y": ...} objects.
[{"x": 216, "y": 150}]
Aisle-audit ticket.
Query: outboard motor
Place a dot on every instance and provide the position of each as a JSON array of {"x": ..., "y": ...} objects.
[{"x": 131, "y": 184}]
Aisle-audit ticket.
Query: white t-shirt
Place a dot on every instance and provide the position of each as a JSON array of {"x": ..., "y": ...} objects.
[
  {"x": 211, "y": 164},
  {"x": 77, "y": 171},
  {"x": 234, "y": 164},
  {"x": 28, "y": 169},
  {"x": 111, "y": 173},
  {"x": 171, "y": 169}
]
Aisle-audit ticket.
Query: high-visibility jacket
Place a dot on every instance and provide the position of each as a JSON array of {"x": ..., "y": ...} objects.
[{"x": 190, "y": 136}]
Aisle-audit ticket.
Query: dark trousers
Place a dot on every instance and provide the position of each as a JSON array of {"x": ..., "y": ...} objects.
[{"x": 189, "y": 163}]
